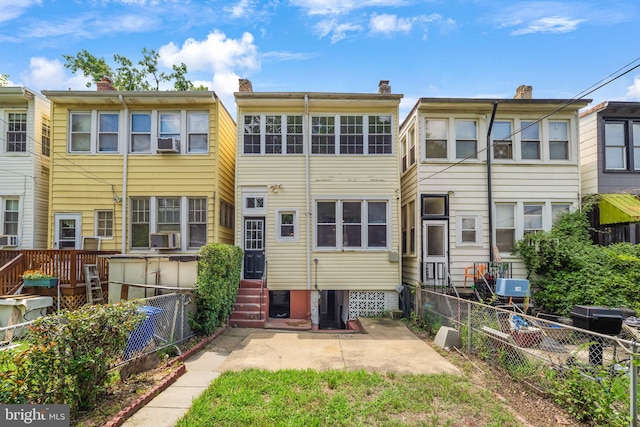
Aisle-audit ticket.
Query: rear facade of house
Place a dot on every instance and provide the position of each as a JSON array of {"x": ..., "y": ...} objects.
[
  {"x": 317, "y": 196},
  {"x": 466, "y": 197}
]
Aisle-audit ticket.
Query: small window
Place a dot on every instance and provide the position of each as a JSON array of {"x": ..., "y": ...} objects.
[
  {"x": 530, "y": 140},
  {"x": 140, "y": 133},
  {"x": 558, "y": 140},
  {"x": 104, "y": 223},
  {"x": 108, "y": 132},
  {"x": 434, "y": 206},
  {"x": 197, "y": 222},
  {"x": 11, "y": 216},
  {"x": 436, "y": 139},
  {"x": 468, "y": 232},
  {"x": 403, "y": 144},
  {"x": 502, "y": 140},
  {"x": 466, "y": 139},
  {"x": 287, "y": 225},
  {"x": 412, "y": 147},
  {"x": 17, "y": 133},
  {"x": 197, "y": 132},
  {"x": 80, "y": 132},
  {"x": 46, "y": 136}
]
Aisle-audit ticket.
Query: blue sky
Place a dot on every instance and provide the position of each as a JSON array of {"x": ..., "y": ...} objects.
[{"x": 426, "y": 48}]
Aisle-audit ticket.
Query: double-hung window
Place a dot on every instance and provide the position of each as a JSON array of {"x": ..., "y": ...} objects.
[
  {"x": 530, "y": 140},
  {"x": 502, "y": 139},
  {"x": 141, "y": 132},
  {"x": 287, "y": 227},
  {"x": 251, "y": 135},
  {"x": 11, "y": 216},
  {"x": 468, "y": 228},
  {"x": 169, "y": 125},
  {"x": 46, "y": 136},
  {"x": 197, "y": 236},
  {"x": 140, "y": 222},
  {"x": 558, "y": 140},
  {"x": 466, "y": 139},
  {"x": 436, "y": 139},
  {"x": 197, "y": 132},
  {"x": 532, "y": 218},
  {"x": 380, "y": 141},
  {"x": 168, "y": 214},
  {"x": 295, "y": 140},
  {"x": 17, "y": 133},
  {"x": 351, "y": 135},
  {"x": 108, "y": 132},
  {"x": 323, "y": 135},
  {"x": 80, "y": 141},
  {"x": 622, "y": 145},
  {"x": 363, "y": 224},
  {"x": 273, "y": 135},
  {"x": 505, "y": 226}
]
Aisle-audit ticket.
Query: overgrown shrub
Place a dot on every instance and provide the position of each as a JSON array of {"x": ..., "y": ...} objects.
[
  {"x": 219, "y": 270},
  {"x": 568, "y": 269},
  {"x": 68, "y": 356}
]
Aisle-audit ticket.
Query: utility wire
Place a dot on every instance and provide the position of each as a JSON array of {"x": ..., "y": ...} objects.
[{"x": 594, "y": 87}]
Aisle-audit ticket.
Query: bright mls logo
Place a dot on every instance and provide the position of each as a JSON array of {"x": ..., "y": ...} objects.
[{"x": 34, "y": 415}]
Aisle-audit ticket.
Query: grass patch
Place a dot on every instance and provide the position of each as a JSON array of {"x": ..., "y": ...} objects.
[{"x": 343, "y": 398}]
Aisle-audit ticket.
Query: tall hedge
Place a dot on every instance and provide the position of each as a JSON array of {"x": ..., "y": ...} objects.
[{"x": 219, "y": 271}]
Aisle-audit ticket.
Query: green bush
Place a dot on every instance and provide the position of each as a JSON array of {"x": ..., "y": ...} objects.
[
  {"x": 219, "y": 270},
  {"x": 568, "y": 269},
  {"x": 68, "y": 356}
]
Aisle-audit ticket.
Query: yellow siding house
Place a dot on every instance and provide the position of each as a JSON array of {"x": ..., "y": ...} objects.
[
  {"x": 317, "y": 190},
  {"x": 140, "y": 172}
]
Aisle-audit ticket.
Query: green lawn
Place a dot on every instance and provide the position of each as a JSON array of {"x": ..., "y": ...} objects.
[{"x": 341, "y": 398}]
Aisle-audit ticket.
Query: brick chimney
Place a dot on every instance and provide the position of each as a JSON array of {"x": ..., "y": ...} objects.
[
  {"x": 524, "y": 92},
  {"x": 105, "y": 84},
  {"x": 245, "y": 85},
  {"x": 383, "y": 86}
]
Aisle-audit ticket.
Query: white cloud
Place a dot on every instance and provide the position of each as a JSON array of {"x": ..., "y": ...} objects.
[
  {"x": 89, "y": 26},
  {"x": 51, "y": 74},
  {"x": 336, "y": 30},
  {"x": 387, "y": 24},
  {"x": 550, "y": 24},
  {"x": 216, "y": 53},
  {"x": 12, "y": 9},
  {"x": 336, "y": 7},
  {"x": 240, "y": 9},
  {"x": 633, "y": 91}
]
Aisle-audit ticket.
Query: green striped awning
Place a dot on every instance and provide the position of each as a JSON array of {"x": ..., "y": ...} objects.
[{"x": 619, "y": 208}]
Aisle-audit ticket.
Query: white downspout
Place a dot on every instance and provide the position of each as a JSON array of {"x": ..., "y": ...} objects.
[
  {"x": 307, "y": 190},
  {"x": 125, "y": 163}
]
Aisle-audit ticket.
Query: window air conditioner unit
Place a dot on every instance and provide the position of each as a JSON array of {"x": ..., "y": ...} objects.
[
  {"x": 8, "y": 240},
  {"x": 168, "y": 145},
  {"x": 164, "y": 240}
]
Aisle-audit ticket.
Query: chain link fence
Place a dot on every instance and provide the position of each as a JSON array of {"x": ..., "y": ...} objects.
[
  {"x": 554, "y": 358},
  {"x": 166, "y": 325}
]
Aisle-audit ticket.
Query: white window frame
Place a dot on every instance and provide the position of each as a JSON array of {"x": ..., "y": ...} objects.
[
  {"x": 438, "y": 138},
  {"x": 278, "y": 126},
  {"x": 100, "y": 133},
  {"x": 201, "y": 221},
  {"x": 566, "y": 142},
  {"x": 339, "y": 124},
  {"x": 196, "y": 132},
  {"x": 90, "y": 132},
  {"x": 9, "y": 124},
  {"x": 460, "y": 139},
  {"x": 364, "y": 225},
  {"x": 506, "y": 141},
  {"x": 94, "y": 132},
  {"x": 256, "y": 210},
  {"x": 3, "y": 214},
  {"x": 279, "y": 236},
  {"x": 98, "y": 220},
  {"x": 461, "y": 217}
]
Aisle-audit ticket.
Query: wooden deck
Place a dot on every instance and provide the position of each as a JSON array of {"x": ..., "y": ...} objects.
[{"x": 67, "y": 265}]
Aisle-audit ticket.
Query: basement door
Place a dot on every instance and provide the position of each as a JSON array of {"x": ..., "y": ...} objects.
[{"x": 435, "y": 250}]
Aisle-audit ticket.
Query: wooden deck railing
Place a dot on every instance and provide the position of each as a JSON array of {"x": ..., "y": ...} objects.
[{"x": 64, "y": 264}]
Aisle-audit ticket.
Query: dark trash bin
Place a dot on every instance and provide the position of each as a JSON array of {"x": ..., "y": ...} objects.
[
  {"x": 143, "y": 334},
  {"x": 603, "y": 320}
]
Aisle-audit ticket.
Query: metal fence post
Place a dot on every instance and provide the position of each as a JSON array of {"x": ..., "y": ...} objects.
[
  {"x": 469, "y": 327},
  {"x": 633, "y": 387}
]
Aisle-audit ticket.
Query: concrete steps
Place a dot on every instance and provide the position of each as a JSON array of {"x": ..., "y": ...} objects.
[{"x": 252, "y": 305}]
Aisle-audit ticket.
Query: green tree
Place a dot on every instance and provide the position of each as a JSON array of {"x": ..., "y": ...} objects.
[
  {"x": 145, "y": 75},
  {"x": 4, "y": 79}
]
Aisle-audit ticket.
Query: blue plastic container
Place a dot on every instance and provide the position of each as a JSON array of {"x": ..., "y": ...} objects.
[
  {"x": 512, "y": 287},
  {"x": 143, "y": 334}
]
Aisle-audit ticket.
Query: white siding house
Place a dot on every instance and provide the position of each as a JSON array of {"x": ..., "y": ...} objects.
[
  {"x": 317, "y": 197},
  {"x": 25, "y": 131},
  {"x": 459, "y": 209}
]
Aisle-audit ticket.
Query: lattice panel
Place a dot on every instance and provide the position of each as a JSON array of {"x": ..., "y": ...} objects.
[{"x": 366, "y": 303}]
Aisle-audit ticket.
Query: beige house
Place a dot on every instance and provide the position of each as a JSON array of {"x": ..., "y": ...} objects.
[
  {"x": 468, "y": 196},
  {"x": 317, "y": 196}
]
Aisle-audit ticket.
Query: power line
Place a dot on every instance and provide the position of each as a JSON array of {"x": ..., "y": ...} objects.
[{"x": 594, "y": 87}]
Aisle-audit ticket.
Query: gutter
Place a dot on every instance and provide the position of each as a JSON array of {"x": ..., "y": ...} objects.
[
  {"x": 489, "y": 195},
  {"x": 125, "y": 172},
  {"x": 307, "y": 192}
]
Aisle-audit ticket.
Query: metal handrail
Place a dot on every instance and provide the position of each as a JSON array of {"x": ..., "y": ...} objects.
[{"x": 264, "y": 280}]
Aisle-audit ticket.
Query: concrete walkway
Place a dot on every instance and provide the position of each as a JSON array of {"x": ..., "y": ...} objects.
[{"x": 386, "y": 346}]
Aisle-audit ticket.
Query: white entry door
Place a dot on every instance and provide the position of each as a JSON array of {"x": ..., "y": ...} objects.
[
  {"x": 67, "y": 231},
  {"x": 435, "y": 250}
]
